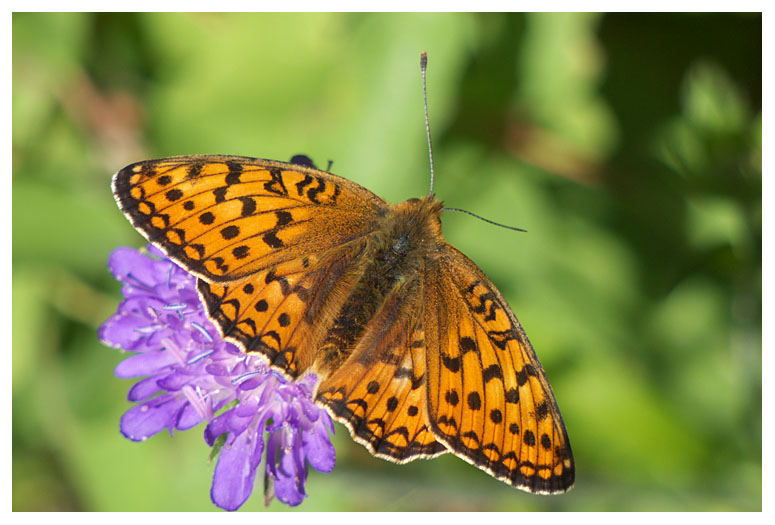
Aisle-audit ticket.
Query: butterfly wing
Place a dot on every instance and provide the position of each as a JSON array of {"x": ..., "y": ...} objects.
[
  {"x": 283, "y": 312},
  {"x": 272, "y": 243},
  {"x": 488, "y": 398},
  {"x": 224, "y": 218},
  {"x": 379, "y": 392}
]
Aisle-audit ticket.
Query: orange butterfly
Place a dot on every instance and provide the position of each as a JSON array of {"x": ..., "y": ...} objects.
[{"x": 418, "y": 353}]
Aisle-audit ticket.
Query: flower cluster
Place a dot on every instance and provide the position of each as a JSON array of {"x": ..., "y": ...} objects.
[{"x": 191, "y": 375}]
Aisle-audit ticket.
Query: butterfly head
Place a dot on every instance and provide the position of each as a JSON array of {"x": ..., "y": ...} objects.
[{"x": 415, "y": 221}]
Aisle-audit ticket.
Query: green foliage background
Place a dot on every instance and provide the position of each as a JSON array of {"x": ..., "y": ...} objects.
[{"x": 628, "y": 145}]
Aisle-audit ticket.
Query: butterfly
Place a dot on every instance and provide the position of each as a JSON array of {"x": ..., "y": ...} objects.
[{"x": 417, "y": 352}]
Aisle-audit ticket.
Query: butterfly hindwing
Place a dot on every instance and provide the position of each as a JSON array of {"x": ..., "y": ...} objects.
[
  {"x": 224, "y": 218},
  {"x": 489, "y": 399},
  {"x": 379, "y": 391}
]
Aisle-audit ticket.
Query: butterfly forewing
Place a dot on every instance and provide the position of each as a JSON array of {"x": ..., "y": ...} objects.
[
  {"x": 488, "y": 397},
  {"x": 225, "y": 218}
]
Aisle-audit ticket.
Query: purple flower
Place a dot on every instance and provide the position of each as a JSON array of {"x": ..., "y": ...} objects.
[{"x": 192, "y": 375}]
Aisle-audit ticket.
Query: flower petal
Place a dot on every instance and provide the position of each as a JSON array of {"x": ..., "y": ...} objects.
[
  {"x": 144, "y": 364},
  {"x": 143, "y": 389},
  {"x": 129, "y": 265},
  {"x": 122, "y": 331},
  {"x": 289, "y": 481},
  {"x": 235, "y": 471},
  {"x": 318, "y": 448},
  {"x": 142, "y": 421}
]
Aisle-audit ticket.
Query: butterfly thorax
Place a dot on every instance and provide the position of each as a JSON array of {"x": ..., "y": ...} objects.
[{"x": 390, "y": 263}]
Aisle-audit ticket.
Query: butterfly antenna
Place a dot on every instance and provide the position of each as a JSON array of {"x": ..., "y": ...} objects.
[
  {"x": 485, "y": 220},
  {"x": 423, "y": 67}
]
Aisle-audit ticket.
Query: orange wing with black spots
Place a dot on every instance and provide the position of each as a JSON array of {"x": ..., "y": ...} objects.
[
  {"x": 224, "y": 218},
  {"x": 488, "y": 398},
  {"x": 273, "y": 244},
  {"x": 379, "y": 392},
  {"x": 283, "y": 312}
]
